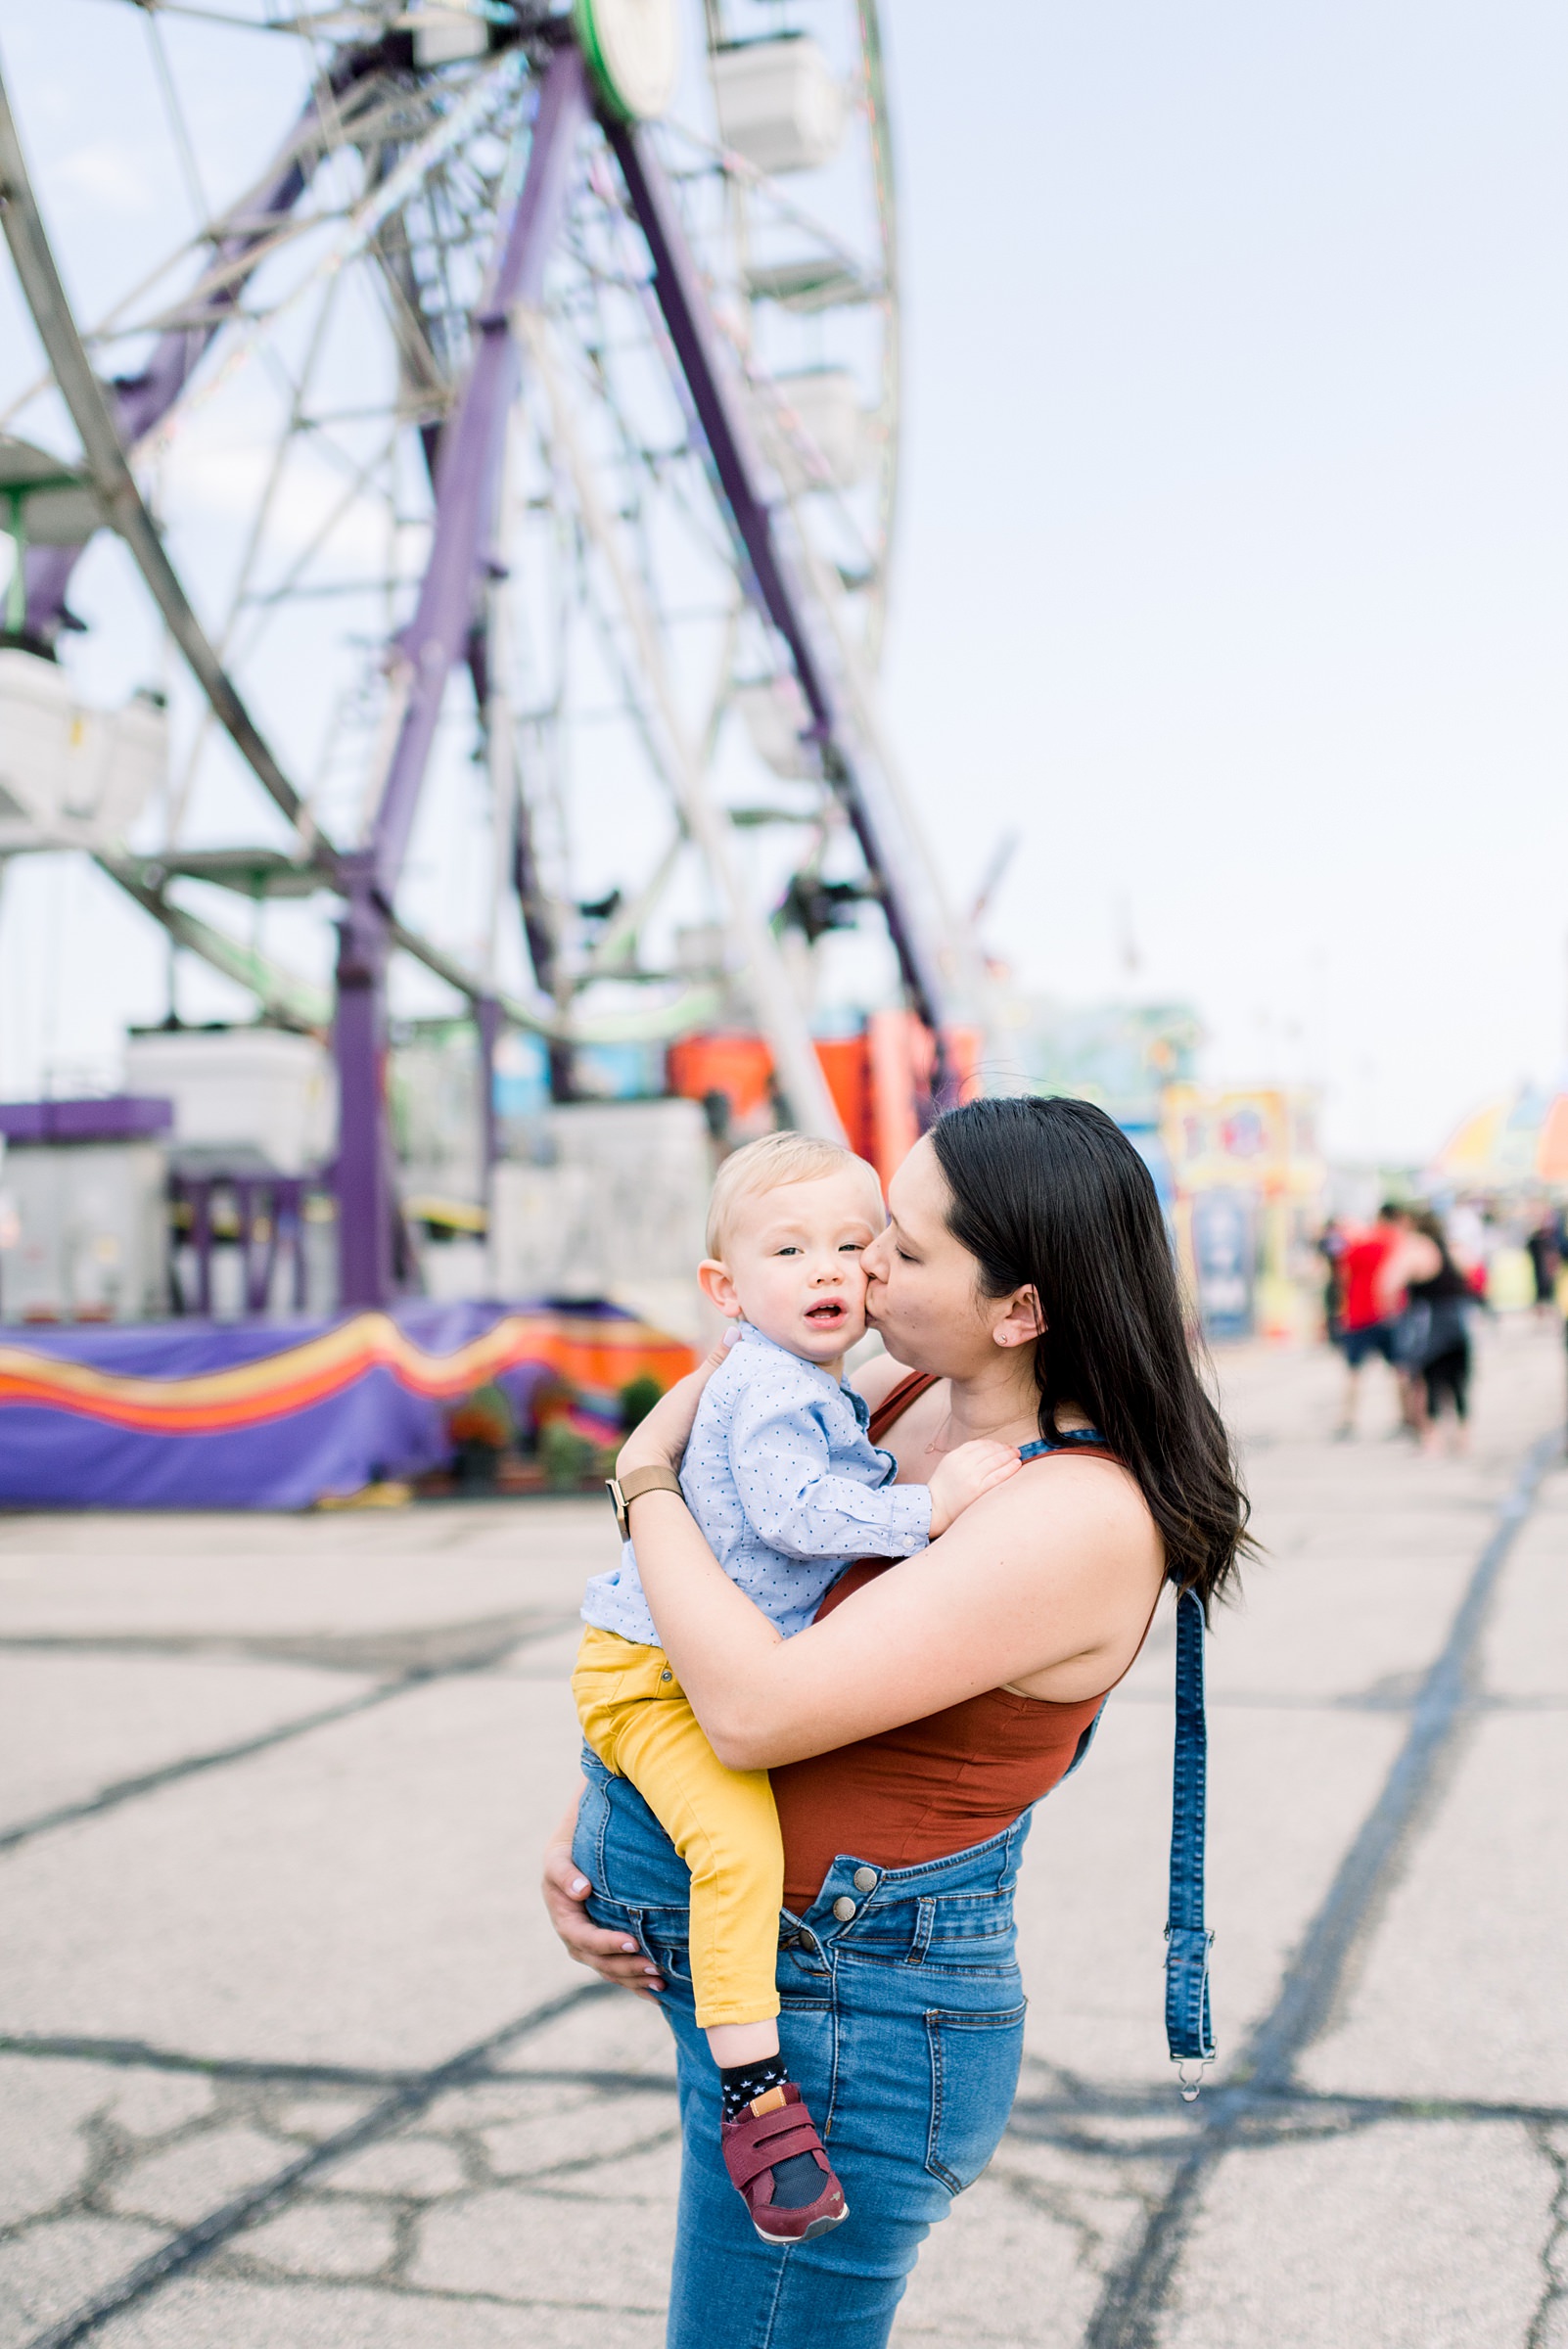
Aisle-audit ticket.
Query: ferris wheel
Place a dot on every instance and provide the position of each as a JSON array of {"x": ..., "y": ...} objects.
[{"x": 512, "y": 461}]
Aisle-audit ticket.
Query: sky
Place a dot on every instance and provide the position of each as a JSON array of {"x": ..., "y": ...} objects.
[
  {"x": 1234, "y": 567},
  {"x": 1232, "y": 560}
]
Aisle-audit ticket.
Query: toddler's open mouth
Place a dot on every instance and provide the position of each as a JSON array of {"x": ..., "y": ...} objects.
[{"x": 831, "y": 1310}]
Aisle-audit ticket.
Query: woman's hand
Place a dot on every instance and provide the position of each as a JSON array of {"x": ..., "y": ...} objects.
[
  {"x": 658, "y": 1441},
  {"x": 615, "y": 1956}
]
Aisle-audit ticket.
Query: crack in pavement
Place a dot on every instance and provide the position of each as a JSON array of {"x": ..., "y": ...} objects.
[
  {"x": 141, "y": 2055},
  {"x": 1130, "y": 2306},
  {"x": 1554, "y": 2251},
  {"x": 1154, "y": 2103},
  {"x": 490, "y": 1640},
  {"x": 1287, "y": 2123},
  {"x": 421, "y": 1646},
  {"x": 197, "y": 2243},
  {"x": 1038, "y": 2120},
  {"x": 1261, "y": 2107}
]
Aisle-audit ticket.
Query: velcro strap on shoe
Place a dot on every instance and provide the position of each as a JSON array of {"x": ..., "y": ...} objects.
[{"x": 747, "y": 2157}]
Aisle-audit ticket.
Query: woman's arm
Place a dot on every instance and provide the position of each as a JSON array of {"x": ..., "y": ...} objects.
[{"x": 1027, "y": 1579}]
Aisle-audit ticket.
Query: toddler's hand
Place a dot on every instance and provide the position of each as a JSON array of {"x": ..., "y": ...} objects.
[{"x": 973, "y": 1469}]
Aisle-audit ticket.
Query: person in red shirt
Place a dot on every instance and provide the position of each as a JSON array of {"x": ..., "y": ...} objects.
[{"x": 1367, "y": 1308}]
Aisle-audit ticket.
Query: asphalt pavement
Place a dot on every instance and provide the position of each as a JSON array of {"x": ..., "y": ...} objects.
[{"x": 289, "y": 2056}]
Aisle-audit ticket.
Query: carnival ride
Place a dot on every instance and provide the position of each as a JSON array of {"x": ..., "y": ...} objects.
[{"x": 550, "y": 368}]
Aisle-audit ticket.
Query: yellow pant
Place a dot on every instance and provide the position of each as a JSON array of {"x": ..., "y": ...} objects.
[{"x": 721, "y": 1822}]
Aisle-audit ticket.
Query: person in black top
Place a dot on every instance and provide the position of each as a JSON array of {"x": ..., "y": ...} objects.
[
  {"x": 1544, "y": 1257},
  {"x": 1437, "y": 1316}
]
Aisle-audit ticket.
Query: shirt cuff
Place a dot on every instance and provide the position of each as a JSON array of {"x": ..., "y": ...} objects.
[{"x": 908, "y": 1514}]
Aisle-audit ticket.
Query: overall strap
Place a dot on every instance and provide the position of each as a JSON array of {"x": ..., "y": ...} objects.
[
  {"x": 1188, "y": 2023},
  {"x": 1079, "y": 1438},
  {"x": 1188, "y": 2026}
]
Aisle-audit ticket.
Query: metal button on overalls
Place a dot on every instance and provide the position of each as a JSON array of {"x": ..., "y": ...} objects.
[
  {"x": 866, "y": 1879},
  {"x": 843, "y": 1908}
]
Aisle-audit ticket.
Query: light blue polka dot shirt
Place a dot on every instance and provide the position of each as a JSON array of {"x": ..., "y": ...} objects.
[{"x": 786, "y": 1486}]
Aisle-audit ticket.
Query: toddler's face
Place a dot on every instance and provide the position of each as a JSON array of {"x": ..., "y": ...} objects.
[{"x": 792, "y": 1263}]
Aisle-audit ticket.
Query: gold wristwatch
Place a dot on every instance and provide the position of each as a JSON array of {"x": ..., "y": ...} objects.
[{"x": 640, "y": 1481}]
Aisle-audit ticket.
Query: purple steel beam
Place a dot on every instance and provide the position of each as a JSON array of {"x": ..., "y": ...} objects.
[
  {"x": 202, "y": 1242},
  {"x": 468, "y": 462},
  {"x": 123, "y": 1118},
  {"x": 363, "y": 1177},
  {"x": 467, "y": 473},
  {"x": 278, "y": 1201},
  {"x": 738, "y": 468}
]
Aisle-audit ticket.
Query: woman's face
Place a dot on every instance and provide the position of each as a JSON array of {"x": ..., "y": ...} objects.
[{"x": 923, "y": 1290}]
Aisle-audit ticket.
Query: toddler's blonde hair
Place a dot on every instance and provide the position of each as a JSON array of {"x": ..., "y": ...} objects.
[{"x": 767, "y": 1166}]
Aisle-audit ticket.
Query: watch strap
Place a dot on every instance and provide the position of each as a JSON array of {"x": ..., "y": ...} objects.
[
  {"x": 648, "y": 1480},
  {"x": 640, "y": 1481}
]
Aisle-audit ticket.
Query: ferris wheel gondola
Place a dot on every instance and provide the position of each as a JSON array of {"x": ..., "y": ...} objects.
[{"x": 549, "y": 371}]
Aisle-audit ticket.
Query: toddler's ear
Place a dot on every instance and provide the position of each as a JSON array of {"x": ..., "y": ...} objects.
[{"x": 714, "y": 1279}]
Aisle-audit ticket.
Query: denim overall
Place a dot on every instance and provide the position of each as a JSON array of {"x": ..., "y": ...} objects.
[{"x": 903, "y": 2020}]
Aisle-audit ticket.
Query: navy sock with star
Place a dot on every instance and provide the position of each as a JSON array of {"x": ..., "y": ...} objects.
[{"x": 797, "y": 2181}]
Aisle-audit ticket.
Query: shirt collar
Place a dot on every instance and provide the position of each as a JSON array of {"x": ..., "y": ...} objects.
[{"x": 751, "y": 1335}]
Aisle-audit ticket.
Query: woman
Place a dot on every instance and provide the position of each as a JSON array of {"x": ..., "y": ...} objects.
[
  {"x": 1025, "y": 1291},
  {"x": 1436, "y": 1332}
]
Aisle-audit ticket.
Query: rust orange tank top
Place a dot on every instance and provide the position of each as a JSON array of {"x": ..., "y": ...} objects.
[{"x": 932, "y": 1787}]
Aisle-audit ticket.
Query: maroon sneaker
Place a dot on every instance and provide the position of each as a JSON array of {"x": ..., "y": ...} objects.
[{"x": 775, "y": 2128}]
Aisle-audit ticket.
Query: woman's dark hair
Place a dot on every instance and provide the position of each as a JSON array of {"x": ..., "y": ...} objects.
[
  {"x": 1050, "y": 1193},
  {"x": 1429, "y": 1224}
]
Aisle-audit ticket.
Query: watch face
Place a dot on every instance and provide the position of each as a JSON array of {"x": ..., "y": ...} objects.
[{"x": 633, "y": 47}]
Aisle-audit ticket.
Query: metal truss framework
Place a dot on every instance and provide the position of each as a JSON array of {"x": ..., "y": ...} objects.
[{"x": 466, "y": 483}]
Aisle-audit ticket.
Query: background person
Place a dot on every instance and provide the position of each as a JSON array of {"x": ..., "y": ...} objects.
[
  {"x": 1368, "y": 1304},
  {"x": 1471, "y": 1241},
  {"x": 1545, "y": 1255},
  {"x": 1024, "y": 1289},
  {"x": 1331, "y": 1243},
  {"x": 1436, "y": 1333},
  {"x": 1413, "y": 1257}
]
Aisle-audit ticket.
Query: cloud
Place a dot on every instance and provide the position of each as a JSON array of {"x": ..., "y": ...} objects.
[
  {"x": 111, "y": 172},
  {"x": 219, "y": 486}
]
